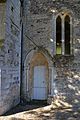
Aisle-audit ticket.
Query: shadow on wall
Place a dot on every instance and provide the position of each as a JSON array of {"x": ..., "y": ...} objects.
[{"x": 68, "y": 83}]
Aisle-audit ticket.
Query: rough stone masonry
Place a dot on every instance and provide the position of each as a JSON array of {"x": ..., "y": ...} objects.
[
  {"x": 10, "y": 47},
  {"x": 39, "y": 49},
  {"x": 22, "y": 60}
]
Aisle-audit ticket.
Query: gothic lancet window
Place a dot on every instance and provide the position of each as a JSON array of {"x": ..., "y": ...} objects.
[
  {"x": 67, "y": 35},
  {"x": 58, "y": 35},
  {"x": 63, "y": 33}
]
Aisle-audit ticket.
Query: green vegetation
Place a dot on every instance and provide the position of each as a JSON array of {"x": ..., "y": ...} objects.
[{"x": 58, "y": 50}]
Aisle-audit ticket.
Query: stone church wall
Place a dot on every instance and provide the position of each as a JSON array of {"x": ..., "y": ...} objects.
[
  {"x": 10, "y": 54},
  {"x": 38, "y": 22}
]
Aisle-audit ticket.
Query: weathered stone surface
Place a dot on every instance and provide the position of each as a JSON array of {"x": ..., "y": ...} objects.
[
  {"x": 39, "y": 30},
  {"x": 62, "y": 71},
  {"x": 10, "y": 47}
]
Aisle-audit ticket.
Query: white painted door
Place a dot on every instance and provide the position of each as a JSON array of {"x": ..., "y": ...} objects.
[{"x": 39, "y": 83}]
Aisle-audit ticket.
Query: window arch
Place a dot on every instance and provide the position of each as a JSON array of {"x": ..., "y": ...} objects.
[
  {"x": 58, "y": 35},
  {"x": 67, "y": 34},
  {"x": 63, "y": 34}
]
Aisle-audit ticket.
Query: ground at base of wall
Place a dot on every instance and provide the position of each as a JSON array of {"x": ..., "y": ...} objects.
[{"x": 41, "y": 112}]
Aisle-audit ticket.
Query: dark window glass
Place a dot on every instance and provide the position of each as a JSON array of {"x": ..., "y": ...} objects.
[
  {"x": 67, "y": 34},
  {"x": 58, "y": 35}
]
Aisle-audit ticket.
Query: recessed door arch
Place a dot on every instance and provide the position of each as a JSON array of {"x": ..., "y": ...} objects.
[
  {"x": 39, "y": 77},
  {"x": 36, "y": 58}
]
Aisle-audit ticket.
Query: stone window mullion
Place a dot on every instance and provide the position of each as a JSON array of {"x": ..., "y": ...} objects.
[
  {"x": 71, "y": 48},
  {"x": 63, "y": 37},
  {"x": 55, "y": 37}
]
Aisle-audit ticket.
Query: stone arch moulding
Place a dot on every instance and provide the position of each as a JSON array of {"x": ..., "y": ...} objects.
[{"x": 27, "y": 72}]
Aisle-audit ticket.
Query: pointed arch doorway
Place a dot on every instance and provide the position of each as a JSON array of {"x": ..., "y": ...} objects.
[{"x": 39, "y": 77}]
